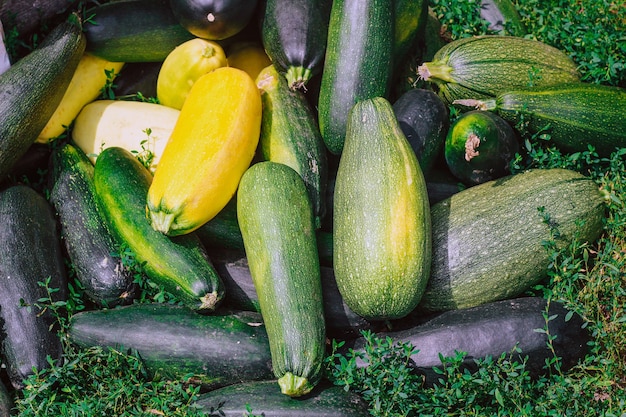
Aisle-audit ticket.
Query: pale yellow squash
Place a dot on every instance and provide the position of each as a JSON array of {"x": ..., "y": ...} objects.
[
  {"x": 90, "y": 77},
  {"x": 139, "y": 127},
  {"x": 248, "y": 56},
  {"x": 212, "y": 145}
]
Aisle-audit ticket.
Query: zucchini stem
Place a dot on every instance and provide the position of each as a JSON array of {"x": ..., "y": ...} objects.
[
  {"x": 435, "y": 71},
  {"x": 162, "y": 221},
  {"x": 297, "y": 77},
  {"x": 293, "y": 385}
]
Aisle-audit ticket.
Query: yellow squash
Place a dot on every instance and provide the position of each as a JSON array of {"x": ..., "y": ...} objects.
[
  {"x": 212, "y": 145},
  {"x": 248, "y": 56},
  {"x": 90, "y": 76},
  {"x": 183, "y": 66}
]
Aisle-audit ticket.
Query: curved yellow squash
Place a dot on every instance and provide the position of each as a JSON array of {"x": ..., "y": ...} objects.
[{"x": 212, "y": 145}]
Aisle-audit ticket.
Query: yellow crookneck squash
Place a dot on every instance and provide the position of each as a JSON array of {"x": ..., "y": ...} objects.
[{"x": 211, "y": 146}]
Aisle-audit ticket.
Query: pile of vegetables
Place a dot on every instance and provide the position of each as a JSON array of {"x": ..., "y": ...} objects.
[{"x": 283, "y": 191}]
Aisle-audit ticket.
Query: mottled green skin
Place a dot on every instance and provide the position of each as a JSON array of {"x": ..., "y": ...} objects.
[
  {"x": 382, "y": 231},
  {"x": 276, "y": 221},
  {"x": 488, "y": 239}
]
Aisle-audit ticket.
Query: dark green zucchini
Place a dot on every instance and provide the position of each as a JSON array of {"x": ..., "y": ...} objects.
[
  {"x": 214, "y": 19},
  {"x": 294, "y": 34},
  {"x": 89, "y": 243},
  {"x": 424, "y": 120},
  {"x": 290, "y": 135},
  {"x": 409, "y": 27},
  {"x": 32, "y": 88},
  {"x": 137, "y": 77},
  {"x": 493, "y": 329},
  {"x": 31, "y": 258},
  {"x": 281, "y": 248},
  {"x": 480, "y": 147},
  {"x": 6, "y": 401},
  {"x": 180, "y": 264},
  {"x": 222, "y": 348},
  {"x": 575, "y": 115},
  {"x": 503, "y": 17},
  {"x": 358, "y": 63},
  {"x": 264, "y": 398},
  {"x": 133, "y": 31},
  {"x": 488, "y": 240}
]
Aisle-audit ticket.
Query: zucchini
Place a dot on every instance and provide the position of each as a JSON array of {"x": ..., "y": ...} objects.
[
  {"x": 409, "y": 27},
  {"x": 33, "y": 87},
  {"x": 488, "y": 240},
  {"x": 382, "y": 231},
  {"x": 6, "y": 398},
  {"x": 137, "y": 79},
  {"x": 263, "y": 398},
  {"x": 133, "y": 31},
  {"x": 30, "y": 256},
  {"x": 282, "y": 254},
  {"x": 503, "y": 17},
  {"x": 493, "y": 329},
  {"x": 294, "y": 34},
  {"x": 575, "y": 115},
  {"x": 214, "y": 19},
  {"x": 290, "y": 135},
  {"x": 88, "y": 241},
  {"x": 212, "y": 144},
  {"x": 480, "y": 147},
  {"x": 180, "y": 265},
  {"x": 174, "y": 342},
  {"x": 358, "y": 63},
  {"x": 480, "y": 67}
]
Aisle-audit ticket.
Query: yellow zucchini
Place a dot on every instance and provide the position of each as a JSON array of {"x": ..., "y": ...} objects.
[
  {"x": 90, "y": 76},
  {"x": 248, "y": 56},
  {"x": 213, "y": 143},
  {"x": 139, "y": 127},
  {"x": 183, "y": 66}
]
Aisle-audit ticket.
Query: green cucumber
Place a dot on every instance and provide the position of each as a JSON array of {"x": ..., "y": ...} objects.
[
  {"x": 575, "y": 115},
  {"x": 480, "y": 147},
  {"x": 30, "y": 256},
  {"x": 174, "y": 342},
  {"x": 133, "y": 31},
  {"x": 488, "y": 240},
  {"x": 32, "y": 88},
  {"x": 180, "y": 264},
  {"x": 290, "y": 135},
  {"x": 382, "y": 231},
  {"x": 358, "y": 63},
  {"x": 264, "y": 399},
  {"x": 89, "y": 243},
  {"x": 481, "y": 67},
  {"x": 281, "y": 248}
]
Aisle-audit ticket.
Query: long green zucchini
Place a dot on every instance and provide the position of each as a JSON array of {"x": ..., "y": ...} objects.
[{"x": 276, "y": 221}]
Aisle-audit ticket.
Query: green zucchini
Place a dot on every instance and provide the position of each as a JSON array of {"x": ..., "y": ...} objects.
[
  {"x": 33, "y": 87},
  {"x": 480, "y": 67},
  {"x": 89, "y": 243},
  {"x": 575, "y": 115},
  {"x": 358, "y": 63},
  {"x": 174, "y": 342},
  {"x": 488, "y": 240},
  {"x": 409, "y": 27},
  {"x": 294, "y": 34},
  {"x": 6, "y": 401},
  {"x": 133, "y": 31},
  {"x": 503, "y": 17},
  {"x": 263, "y": 398},
  {"x": 282, "y": 254},
  {"x": 30, "y": 256},
  {"x": 480, "y": 147},
  {"x": 180, "y": 264},
  {"x": 290, "y": 135},
  {"x": 382, "y": 231}
]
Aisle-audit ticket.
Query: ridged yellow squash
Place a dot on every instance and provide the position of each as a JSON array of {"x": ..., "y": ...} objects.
[{"x": 211, "y": 146}]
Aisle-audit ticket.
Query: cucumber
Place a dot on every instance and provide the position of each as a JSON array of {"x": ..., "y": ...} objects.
[
  {"x": 30, "y": 255},
  {"x": 294, "y": 34},
  {"x": 488, "y": 240},
  {"x": 174, "y": 342},
  {"x": 263, "y": 398},
  {"x": 282, "y": 254},
  {"x": 180, "y": 265},
  {"x": 575, "y": 115},
  {"x": 480, "y": 147},
  {"x": 382, "y": 231},
  {"x": 358, "y": 63},
  {"x": 88, "y": 241},
  {"x": 493, "y": 329},
  {"x": 133, "y": 31},
  {"x": 290, "y": 135},
  {"x": 33, "y": 87},
  {"x": 480, "y": 67}
]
